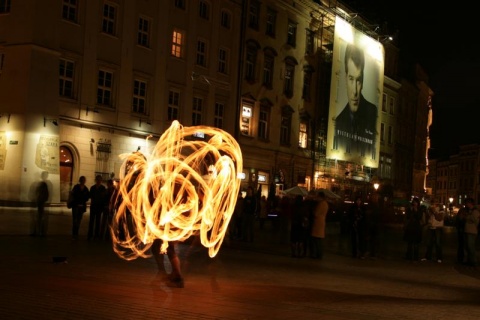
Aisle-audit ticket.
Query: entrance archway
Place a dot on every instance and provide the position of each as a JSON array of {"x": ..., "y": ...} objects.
[{"x": 66, "y": 172}]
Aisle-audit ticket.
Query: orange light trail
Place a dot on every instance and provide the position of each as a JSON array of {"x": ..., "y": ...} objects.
[{"x": 184, "y": 187}]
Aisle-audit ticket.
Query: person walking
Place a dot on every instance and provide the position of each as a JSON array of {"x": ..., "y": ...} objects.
[
  {"x": 318, "y": 227},
  {"x": 80, "y": 196},
  {"x": 435, "y": 219},
  {"x": 460, "y": 227},
  {"x": 414, "y": 221},
  {"x": 472, "y": 218},
  {"x": 108, "y": 210}
]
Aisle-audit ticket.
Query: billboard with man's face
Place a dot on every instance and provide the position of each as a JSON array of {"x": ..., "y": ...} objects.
[{"x": 355, "y": 97}]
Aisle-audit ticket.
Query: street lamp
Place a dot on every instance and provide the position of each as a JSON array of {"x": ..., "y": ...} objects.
[{"x": 376, "y": 185}]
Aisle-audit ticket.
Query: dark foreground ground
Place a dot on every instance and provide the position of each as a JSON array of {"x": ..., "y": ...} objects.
[{"x": 256, "y": 280}]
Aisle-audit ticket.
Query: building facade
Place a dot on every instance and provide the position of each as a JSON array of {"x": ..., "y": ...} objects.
[{"x": 83, "y": 82}]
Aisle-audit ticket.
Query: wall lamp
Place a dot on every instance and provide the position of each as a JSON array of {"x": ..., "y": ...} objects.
[
  {"x": 8, "y": 116},
  {"x": 94, "y": 110},
  {"x": 54, "y": 121}
]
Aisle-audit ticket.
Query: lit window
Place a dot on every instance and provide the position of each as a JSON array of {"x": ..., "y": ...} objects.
[
  {"x": 303, "y": 135},
  {"x": 177, "y": 44},
  {"x": 246, "y": 118}
]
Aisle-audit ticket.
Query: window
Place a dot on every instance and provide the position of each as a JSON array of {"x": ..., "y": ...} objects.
[
  {"x": 180, "y": 4},
  {"x": 173, "y": 105},
  {"x": 177, "y": 44},
  {"x": 66, "y": 74},
  {"x": 222, "y": 60},
  {"x": 289, "y": 76},
  {"x": 292, "y": 33},
  {"x": 105, "y": 88},
  {"x": 285, "y": 129},
  {"x": 309, "y": 41},
  {"x": 246, "y": 116},
  {"x": 391, "y": 104},
  {"x": 303, "y": 135},
  {"x": 5, "y": 6},
  {"x": 390, "y": 135},
  {"x": 197, "y": 111},
  {"x": 225, "y": 19},
  {"x": 204, "y": 9},
  {"x": 139, "y": 97},
  {"x": 384, "y": 102},
  {"x": 143, "y": 32},
  {"x": 251, "y": 62},
  {"x": 263, "y": 123},
  {"x": 69, "y": 10},
  {"x": 268, "y": 65},
  {"x": 253, "y": 14},
  {"x": 109, "y": 18},
  {"x": 307, "y": 83},
  {"x": 271, "y": 22},
  {"x": 382, "y": 132},
  {"x": 201, "y": 53},
  {"x": 218, "y": 116}
]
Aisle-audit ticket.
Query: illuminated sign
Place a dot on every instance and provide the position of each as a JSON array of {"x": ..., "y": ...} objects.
[
  {"x": 355, "y": 96},
  {"x": 262, "y": 178}
]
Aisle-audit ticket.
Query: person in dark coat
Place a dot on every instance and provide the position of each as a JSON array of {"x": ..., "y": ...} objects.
[
  {"x": 98, "y": 195},
  {"x": 413, "y": 228},
  {"x": 80, "y": 196},
  {"x": 357, "y": 217}
]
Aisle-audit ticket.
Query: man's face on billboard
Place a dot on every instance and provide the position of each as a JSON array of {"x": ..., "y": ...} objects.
[{"x": 354, "y": 85}]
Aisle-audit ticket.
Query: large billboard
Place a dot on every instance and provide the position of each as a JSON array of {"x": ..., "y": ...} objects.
[{"x": 355, "y": 96}]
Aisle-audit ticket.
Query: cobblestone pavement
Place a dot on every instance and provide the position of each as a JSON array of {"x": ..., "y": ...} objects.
[{"x": 256, "y": 280}]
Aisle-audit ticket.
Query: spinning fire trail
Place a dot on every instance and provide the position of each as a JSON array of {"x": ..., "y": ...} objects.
[{"x": 184, "y": 187}]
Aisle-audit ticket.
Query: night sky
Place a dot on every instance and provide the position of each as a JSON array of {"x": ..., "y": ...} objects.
[{"x": 443, "y": 40}]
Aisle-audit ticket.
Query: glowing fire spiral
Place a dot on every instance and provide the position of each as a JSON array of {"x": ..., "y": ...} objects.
[{"x": 184, "y": 187}]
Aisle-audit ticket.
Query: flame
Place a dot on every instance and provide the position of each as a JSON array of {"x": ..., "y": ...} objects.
[{"x": 184, "y": 187}]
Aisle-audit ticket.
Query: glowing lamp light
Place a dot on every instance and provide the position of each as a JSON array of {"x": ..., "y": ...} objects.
[{"x": 183, "y": 188}]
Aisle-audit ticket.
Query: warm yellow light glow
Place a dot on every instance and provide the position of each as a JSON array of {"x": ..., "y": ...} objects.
[
  {"x": 184, "y": 187},
  {"x": 376, "y": 185}
]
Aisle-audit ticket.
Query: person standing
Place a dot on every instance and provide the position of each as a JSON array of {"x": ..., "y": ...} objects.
[
  {"x": 41, "y": 197},
  {"x": 435, "y": 219},
  {"x": 460, "y": 226},
  {"x": 472, "y": 218},
  {"x": 80, "y": 196},
  {"x": 357, "y": 218},
  {"x": 108, "y": 210},
  {"x": 263, "y": 214},
  {"x": 98, "y": 194},
  {"x": 318, "y": 227},
  {"x": 414, "y": 220},
  {"x": 249, "y": 210}
]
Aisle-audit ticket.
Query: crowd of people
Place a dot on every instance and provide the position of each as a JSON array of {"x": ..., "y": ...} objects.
[{"x": 299, "y": 221}]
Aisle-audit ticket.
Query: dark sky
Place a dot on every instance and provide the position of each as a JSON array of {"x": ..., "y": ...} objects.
[{"x": 443, "y": 40}]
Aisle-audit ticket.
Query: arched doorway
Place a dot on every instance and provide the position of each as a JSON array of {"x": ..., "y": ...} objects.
[{"x": 66, "y": 172}]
